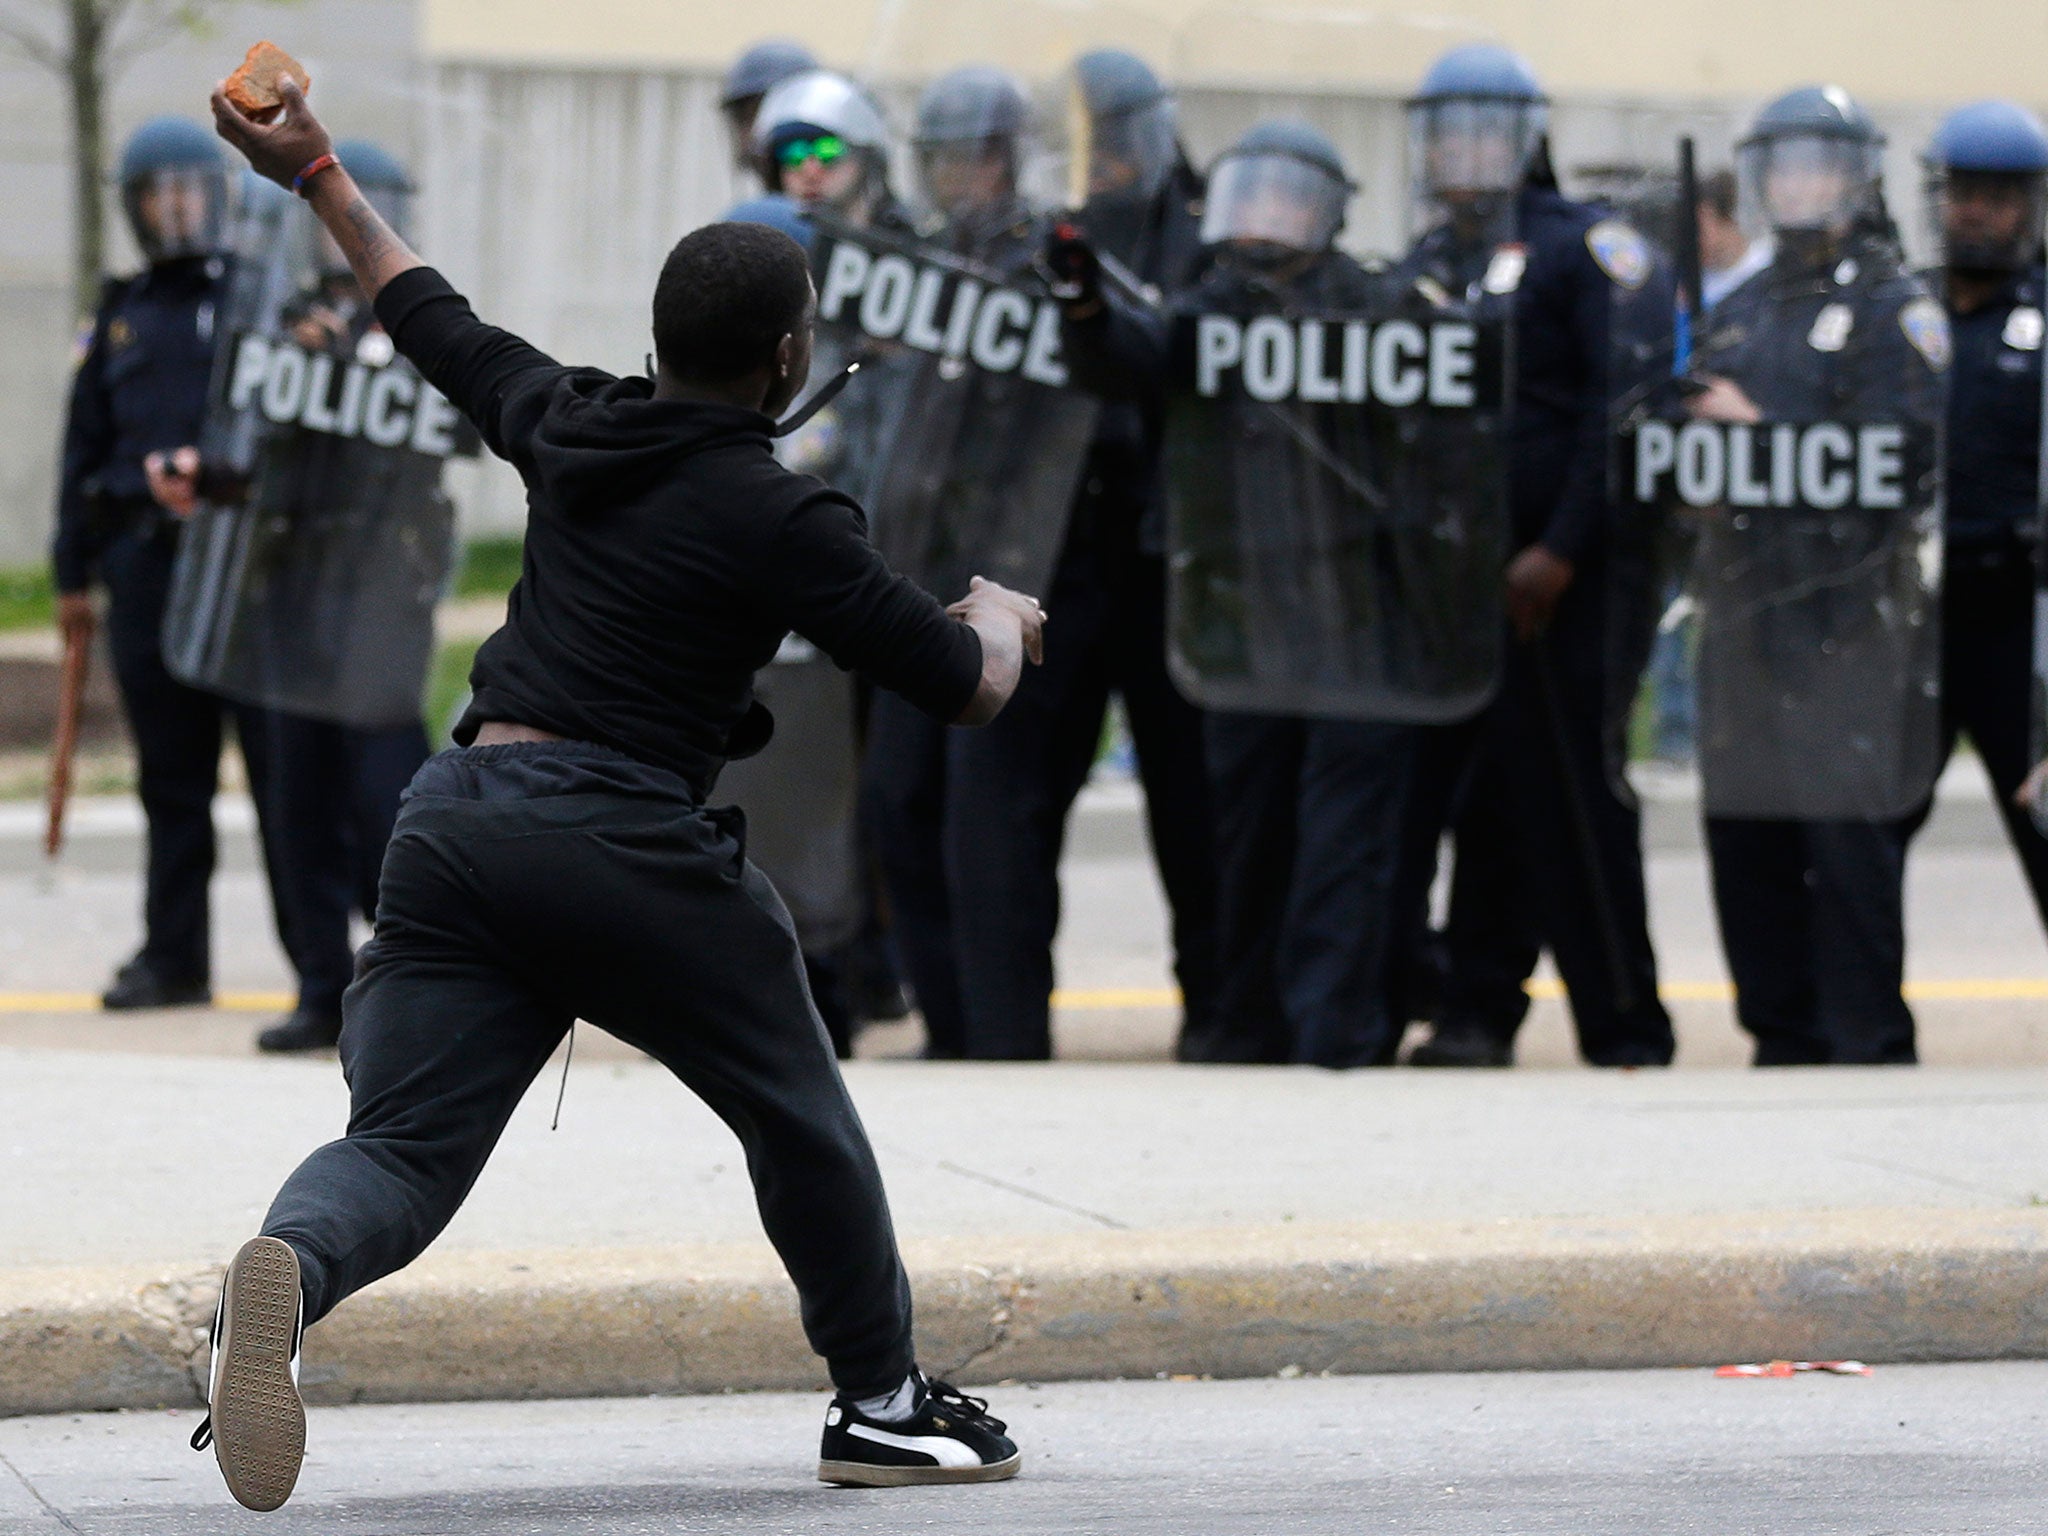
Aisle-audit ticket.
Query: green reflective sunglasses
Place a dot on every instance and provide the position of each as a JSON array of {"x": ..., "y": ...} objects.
[{"x": 824, "y": 149}]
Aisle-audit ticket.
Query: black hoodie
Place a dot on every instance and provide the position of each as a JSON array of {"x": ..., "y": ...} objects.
[{"x": 667, "y": 555}]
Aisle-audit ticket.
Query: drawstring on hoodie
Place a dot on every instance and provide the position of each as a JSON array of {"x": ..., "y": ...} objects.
[{"x": 563, "y": 1092}]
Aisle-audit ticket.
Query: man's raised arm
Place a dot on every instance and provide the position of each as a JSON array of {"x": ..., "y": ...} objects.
[{"x": 296, "y": 153}]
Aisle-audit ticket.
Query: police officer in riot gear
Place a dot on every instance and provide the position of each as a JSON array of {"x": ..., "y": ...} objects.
[
  {"x": 960, "y": 818},
  {"x": 749, "y": 78},
  {"x": 141, "y": 390},
  {"x": 1987, "y": 170},
  {"x": 334, "y": 789},
  {"x": 823, "y": 143},
  {"x": 1830, "y": 612},
  {"x": 1142, "y": 208},
  {"x": 1307, "y": 811},
  {"x": 1548, "y": 852}
]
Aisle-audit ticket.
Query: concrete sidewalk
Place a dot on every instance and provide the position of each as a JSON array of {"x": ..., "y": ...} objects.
[{"x": 1070, "y": 1221}]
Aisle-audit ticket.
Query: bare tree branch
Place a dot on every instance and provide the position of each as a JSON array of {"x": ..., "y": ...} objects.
[{"x": 19, "y": 38}]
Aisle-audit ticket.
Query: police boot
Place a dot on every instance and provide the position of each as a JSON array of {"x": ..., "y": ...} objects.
[
  {"x": 1458, "y": 1044},
  {"x": 137, "y": 985},
  {"x": 305, "y": 1029}
]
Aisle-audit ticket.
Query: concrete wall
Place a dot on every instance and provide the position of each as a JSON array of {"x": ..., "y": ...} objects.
[{"x": 363, "y": 58}]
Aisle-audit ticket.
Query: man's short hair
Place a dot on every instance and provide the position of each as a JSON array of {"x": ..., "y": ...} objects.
[
  {"x": 1717, "y": 191},
  {"x": 728, "y": 293}
]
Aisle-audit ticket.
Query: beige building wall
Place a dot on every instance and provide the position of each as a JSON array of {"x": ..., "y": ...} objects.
[{"x": 1892, "y": 50}]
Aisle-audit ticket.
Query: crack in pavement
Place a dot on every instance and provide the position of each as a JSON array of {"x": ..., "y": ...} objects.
[
  {"x": 2002, "y": 1195},
  {"x": 37, "y": 1494},
  {"x": 1031, "y": 1194}
]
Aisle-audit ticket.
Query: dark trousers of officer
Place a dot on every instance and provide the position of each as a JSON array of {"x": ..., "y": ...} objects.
[
  {"x": 1309, "y": 832},
  {"x": 178, "y": 733},
  {"x": 1550, "y": 855},
  {"x": 969, "y": 824},
  {"x": 1987, "y": 649},
  {"x": 1812, "y": 924},
  {"x": 533, "y": 884},
  {"x": 332, "y": 793}
]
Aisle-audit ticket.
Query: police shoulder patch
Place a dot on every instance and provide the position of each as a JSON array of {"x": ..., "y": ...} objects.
[
  {"x": 1621, "y": 253},
  {"x": 1926, "y": 326}
]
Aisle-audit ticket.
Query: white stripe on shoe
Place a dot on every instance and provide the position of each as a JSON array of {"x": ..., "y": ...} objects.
[{"x": 944, "y": 1451}]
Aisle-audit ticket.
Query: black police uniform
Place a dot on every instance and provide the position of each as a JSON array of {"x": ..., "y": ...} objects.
[
  {"x": 142, "y": 388},
  {"x": 1549, "y": 853},
  {"x": 1811, "y": 912},
  {"x": 1308, "y": 813},
  {"x": 968, "y": 824},
  {"x": 1988, "y": 572},
  {"x": 331, "y": 801},
  {"x": 1109, "y": 591}
]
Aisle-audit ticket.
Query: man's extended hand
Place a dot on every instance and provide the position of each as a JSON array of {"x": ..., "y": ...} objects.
[
  {"x": 1011, "y": 628},
  {"x": 986, "y": 600},
  {"x": 1722, "y": 400},
  {"x": 173, "y": 479},
  {"x": 280, "y": 149},
  {"x": 1537, "y": 579}
]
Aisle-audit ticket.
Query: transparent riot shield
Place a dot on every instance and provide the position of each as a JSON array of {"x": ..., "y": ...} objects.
[
  {"x": 974, "y": 462},
  {"x": 1805, "y": 456},
  {"x": 307, "y": 577},
  {"x": 800, "y": 794},
  {"x": 1336, "y": 494}
]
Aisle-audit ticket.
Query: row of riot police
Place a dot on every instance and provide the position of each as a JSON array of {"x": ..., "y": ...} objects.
[
  {"x": 1374, "y": 553},
  {"x": 253, "y": 477}
]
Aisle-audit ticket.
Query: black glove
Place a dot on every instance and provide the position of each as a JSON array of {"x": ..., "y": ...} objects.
[{"x": 1073, "y": 270}]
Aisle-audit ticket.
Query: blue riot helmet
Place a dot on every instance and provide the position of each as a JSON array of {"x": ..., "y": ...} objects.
[
  {"x": 815, "y": 121},
  {"x": 1123, "y": 122},
  {"x": 1812, "y": 166},
  {"x": 972, "y": 127},
  {"x": 777, "y": 212},
  {"x": 1475, "y": 129},
  {"x": 751, "y": 76},
  {"x": 1278, "y": 193},
  {"x": 1987, "y": 186},
  {"x": 174, "y": 189}
]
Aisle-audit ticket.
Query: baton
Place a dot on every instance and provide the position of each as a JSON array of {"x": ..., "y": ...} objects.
[
  {"x": 70, "y": 705},
  {"x": 1686, "y": 246},
  {"x": 821, "y": 397}
]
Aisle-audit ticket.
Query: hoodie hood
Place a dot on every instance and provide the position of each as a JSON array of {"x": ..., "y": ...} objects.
[{"x": 606, "y": 440}]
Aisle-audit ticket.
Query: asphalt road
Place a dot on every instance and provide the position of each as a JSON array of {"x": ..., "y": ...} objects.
[{"x": 1910, "y": 1451}]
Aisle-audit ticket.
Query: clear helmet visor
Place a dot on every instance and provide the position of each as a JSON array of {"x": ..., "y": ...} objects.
[
  {"x": 1124, "y": 156},
  {"x": 1808, "y": 183},
  {"x": 177, "y": 211},
  {"x": 1987, "y": 221},
  {"x": 1462, "y": 148},
  {"x": 1273, "y": 200},
  {"x": 968, "y": 182}
]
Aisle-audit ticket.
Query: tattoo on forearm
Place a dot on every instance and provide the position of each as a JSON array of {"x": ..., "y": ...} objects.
[{"x": 373, "y": 237}]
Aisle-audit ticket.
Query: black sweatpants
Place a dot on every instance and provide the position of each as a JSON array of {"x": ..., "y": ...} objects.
[{"x": 528, "y": 885}]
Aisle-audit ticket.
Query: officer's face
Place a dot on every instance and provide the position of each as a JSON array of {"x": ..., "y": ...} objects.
[
  {"x": 812, "y": 180},
  {"x": 739, "y": 124},
  {"x": 967, "y": 179},
  {"x": 1466, "y": 165},
  {"x": 174, "y": 209},
  {"x": 1110, "y": 173},
  {"x": 1980, "y": 212}
]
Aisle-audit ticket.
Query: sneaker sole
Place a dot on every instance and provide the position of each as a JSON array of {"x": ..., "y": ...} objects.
[
  {"x": 860, "y": 1474},
  {"x": 259, "y": 1423}
]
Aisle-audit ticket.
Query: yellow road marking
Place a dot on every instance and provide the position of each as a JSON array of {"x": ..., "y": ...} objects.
[{"x": 1981, "y": 989}]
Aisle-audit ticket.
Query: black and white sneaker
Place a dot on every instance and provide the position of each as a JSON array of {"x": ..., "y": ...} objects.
[
  {"x": 256, "y": 1423},
  {"x": 948, "y": 1438}
]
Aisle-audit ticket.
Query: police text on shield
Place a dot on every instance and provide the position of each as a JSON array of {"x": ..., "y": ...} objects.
[
  {"x": 388, "y": 406},
  {"x": 892, "y": 297},
  {"x": 1821, "y": 466}
]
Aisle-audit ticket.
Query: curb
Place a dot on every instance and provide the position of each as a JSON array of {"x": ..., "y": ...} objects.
[{"x": 1676, "y": 1291}]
